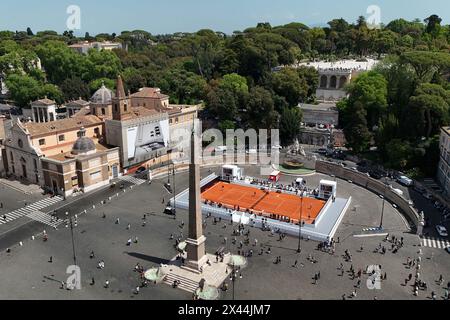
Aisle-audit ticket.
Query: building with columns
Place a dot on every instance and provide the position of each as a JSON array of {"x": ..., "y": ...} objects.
[
  {"x": 335, "y": 75},
  {"x": 43, "y": 110}
]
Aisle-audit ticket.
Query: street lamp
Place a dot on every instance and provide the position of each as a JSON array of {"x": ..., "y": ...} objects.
[
  {"x": 299, "y": 250},
  {"x": 234, "y": 277},
  {"x": 384, "y": 200},
  {"x": 174, "y": 210}
]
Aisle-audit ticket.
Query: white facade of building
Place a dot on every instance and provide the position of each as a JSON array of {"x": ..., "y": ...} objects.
[{"x": 444, "y": 163}]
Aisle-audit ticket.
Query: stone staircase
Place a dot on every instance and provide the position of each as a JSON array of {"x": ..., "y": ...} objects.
[{"x": 185, "y": 283}]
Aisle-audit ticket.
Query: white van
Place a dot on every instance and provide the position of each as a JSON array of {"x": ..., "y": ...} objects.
[{"x": 405, "y": 181}]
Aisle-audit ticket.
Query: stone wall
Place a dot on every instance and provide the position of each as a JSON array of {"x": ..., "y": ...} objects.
[{"x": 370, "y": 184}]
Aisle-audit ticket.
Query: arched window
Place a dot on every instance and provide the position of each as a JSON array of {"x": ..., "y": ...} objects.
[
  {"x": 323, "y": 81},
  {"x": 333, "y": 82}
]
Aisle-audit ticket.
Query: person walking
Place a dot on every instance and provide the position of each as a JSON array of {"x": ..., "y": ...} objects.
[
  {"x": 51, "y": 259},
  {"x": 106, "y": 284}
]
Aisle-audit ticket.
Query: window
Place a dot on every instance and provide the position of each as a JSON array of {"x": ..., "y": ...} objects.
[
  {"x": 125, "y": 107},
  {"x": 157, "y": 131},
  {"x": 35, "y": 164},
  {"x": 116, "y": 108},
  {"x": 97, "y": 131},
  {"x": 170, "y": 121},
  {"x": 42, "y": 142},
  {"x": 61, "y": 138},
  {"x": 11, "y": 156},
  {"x": 96, "y": 175},
  {"x": 20, "y": 143},
  {"x": 74, "y": 181},
  {"x": 103, "y": 111},
  {"x": 176, "y": 120}
]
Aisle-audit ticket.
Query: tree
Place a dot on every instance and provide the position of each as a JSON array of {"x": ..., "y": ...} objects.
[
  {"x": 311, "y": 77},
  {"x": 288, "y": 84},
  {"x": 23, "y": 89},
  {"x": 426, "y": 63},
  {"x": 370, "y": 91},
  {"x": 60, "y": 62},
  {"x": 290, "y": 124},
  {"x": 433, "y": 24},
  {"x": 261, "y": 112},
  {"x": 29, "y": 32},
  {"x": 356, "y": 132},
  {"x": 430, "y": 107},
  {"x": 74, "y": 88}
]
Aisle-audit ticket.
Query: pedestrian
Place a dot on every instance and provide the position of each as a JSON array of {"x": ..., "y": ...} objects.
[
  {"x": 62, "y": 285},
  {"x": 295, "y": 264},
  {"x": 106, "y": 284},
  {"x": 92, "y": 281},
  {"x": 137, "y": 290},
  {"x": 343, "y": 297},
  {"x": 92, "y": 255},
  {"x": 128, "y": 226},
  {"x": 51, "y": 259},
  {"x": 117, "y": 221},
  {"x": 129, "y": 242},
  {"x": 441, "y": 280}
]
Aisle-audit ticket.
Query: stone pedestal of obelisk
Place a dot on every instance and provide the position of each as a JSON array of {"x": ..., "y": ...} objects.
[{"x": 196, "y": 254}]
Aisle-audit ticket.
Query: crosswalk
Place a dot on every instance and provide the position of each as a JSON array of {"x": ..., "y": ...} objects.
[
  {"x": 19, "y": 213},
  {"x": 435, "y": 243},
  {"x": 133, "y": 180},
  {"x": 45, "y": 218}
]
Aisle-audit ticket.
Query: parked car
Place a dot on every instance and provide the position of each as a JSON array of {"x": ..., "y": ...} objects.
[
  {"x": 140, "y": 170},
  {"x": 404, "y": 180},
  {"x": 322, "y": 151},
  {"x": 419, "y": 189},
  {"x": 376, "y": 174},
  {"x": 447, "y": 249},
  {"x": 442, "y": 231}
]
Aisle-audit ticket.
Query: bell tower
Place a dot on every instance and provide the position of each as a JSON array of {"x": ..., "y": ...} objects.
[{"x": 121, "y": 103}]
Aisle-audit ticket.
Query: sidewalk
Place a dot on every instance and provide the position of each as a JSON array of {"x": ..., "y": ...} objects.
[{"x": 20, "y": 187}]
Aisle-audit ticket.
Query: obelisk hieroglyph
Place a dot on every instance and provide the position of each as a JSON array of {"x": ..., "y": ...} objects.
[{"x": 196, "y": 255}]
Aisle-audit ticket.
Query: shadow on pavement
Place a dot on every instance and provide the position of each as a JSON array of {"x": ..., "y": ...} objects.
[{"x": 148, "y": 258}]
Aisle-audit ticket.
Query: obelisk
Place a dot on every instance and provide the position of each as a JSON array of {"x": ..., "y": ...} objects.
[{"x": 196, "y": 255}]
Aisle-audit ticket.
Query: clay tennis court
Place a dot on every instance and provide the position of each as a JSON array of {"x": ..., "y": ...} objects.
[{"x": 259, "y": 201}]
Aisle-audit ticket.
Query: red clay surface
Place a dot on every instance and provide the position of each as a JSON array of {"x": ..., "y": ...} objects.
[{"x": 262, "y": 202}]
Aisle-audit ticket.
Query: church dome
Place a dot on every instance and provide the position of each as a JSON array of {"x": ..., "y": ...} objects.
[
  {"x": 83, "y": 145},
  {"x": 102, "y": 96}
]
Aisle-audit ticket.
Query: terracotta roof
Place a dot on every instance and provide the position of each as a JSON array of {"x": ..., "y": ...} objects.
[
  {"x": 143, "y": 112},
  {"x": 44, "y": 102},
  {"x": 79, "y": 102},
  {"x": 153, "y": 93},
  {"x": 61, "y": 125}
]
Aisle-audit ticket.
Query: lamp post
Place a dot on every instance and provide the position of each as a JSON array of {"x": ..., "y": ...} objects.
[
  {"x": 174, "y": 209},
  {"x": 234, "y": 277},
  {"x": 384, "y": 201},
  {"x": 299, "y": 249}
]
